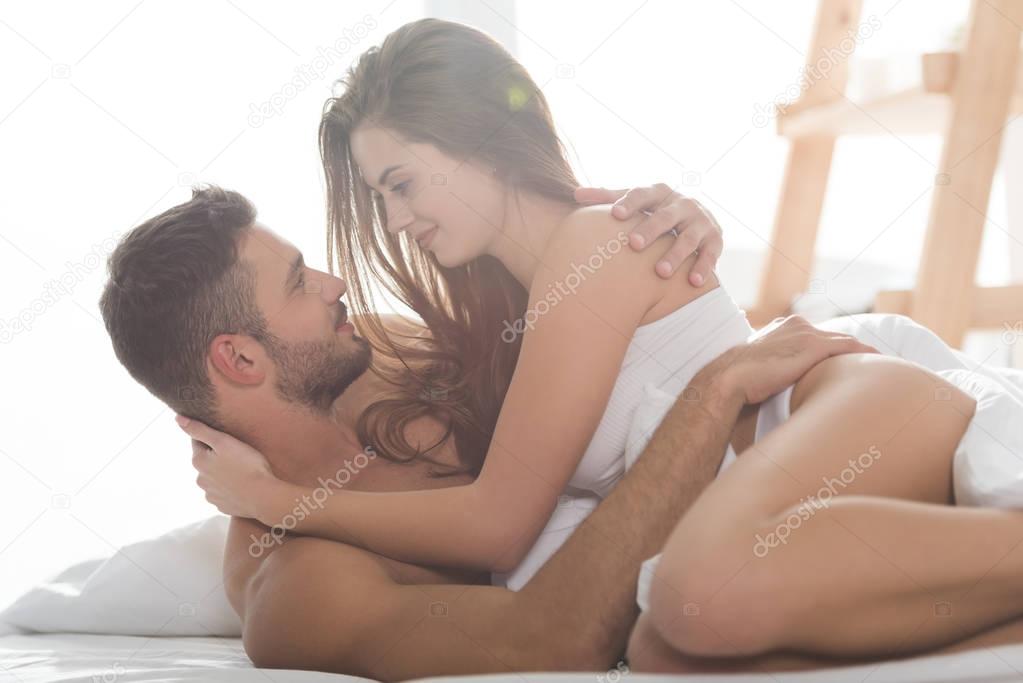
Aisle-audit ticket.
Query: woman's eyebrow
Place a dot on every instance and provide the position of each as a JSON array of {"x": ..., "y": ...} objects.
[{"x": 387, "y": 172}]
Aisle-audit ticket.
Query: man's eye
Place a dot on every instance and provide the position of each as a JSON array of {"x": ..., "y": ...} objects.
[{"x": 301, "y": 281}]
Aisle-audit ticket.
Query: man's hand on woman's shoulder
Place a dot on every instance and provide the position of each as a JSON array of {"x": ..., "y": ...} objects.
[{"x": 666, "y": 211}]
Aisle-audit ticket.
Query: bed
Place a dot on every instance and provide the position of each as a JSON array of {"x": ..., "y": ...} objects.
[
  {"x": 156, "y": 611},
  {"x": 120, "y": 659}
]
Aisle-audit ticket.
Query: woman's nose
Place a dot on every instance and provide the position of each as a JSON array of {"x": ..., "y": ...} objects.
[{"x": 398, "y": 217}]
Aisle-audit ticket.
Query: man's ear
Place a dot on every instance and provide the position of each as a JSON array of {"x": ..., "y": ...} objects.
[{"x": 238, "y": 358}]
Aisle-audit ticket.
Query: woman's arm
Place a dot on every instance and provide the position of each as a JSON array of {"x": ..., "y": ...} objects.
[{"x": 585, "y": 305}]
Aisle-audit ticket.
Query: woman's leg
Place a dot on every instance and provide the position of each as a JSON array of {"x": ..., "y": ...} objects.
[
  {"x": 649, "y": 653},
  {"x": 760, "y": 563}
]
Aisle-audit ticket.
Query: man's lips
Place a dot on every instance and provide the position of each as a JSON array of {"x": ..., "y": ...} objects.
[{"x": 342, "y": 317}]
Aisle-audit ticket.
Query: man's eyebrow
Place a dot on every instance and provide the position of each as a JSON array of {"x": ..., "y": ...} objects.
[
  {"x": 387, "y": 172},
  {"x": 296, "y": 266}
]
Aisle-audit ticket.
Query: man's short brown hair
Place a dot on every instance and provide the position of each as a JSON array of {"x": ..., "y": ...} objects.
[{"x": 175, "y": 284}]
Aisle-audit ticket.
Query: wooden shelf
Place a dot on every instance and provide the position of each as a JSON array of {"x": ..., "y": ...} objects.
[
  {"x": 991, "y": 307},
  {"x": 912, "y": 111},
  {"x": 966, "y": 97}
]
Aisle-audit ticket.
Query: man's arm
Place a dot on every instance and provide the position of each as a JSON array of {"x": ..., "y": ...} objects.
[
  {"x": 316, "y": 604},
  {"x": 322, "y": 605}
]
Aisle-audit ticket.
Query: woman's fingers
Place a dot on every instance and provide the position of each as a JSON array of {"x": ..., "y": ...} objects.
[
  {"x": 201, "y": 432},
  {"x": 597, "y": 195}
]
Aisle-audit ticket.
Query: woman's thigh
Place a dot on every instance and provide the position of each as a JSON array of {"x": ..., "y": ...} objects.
[
  {"x": 863, "y": 427},
  {"x": 860, "y": 425}
]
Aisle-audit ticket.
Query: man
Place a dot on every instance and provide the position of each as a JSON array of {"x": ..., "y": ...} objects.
[{"x": 220, "y": 318}]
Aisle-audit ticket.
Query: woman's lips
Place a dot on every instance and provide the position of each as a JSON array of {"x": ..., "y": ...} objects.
[{"x": 426, "y": 238}]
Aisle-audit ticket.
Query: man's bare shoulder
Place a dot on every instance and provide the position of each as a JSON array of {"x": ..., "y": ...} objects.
[{"x": 251, "y": 546}]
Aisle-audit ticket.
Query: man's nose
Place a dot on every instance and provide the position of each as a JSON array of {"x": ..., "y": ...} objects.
[{"x": 333, "y": 288}]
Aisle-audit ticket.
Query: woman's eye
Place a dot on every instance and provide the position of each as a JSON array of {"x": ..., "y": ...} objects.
[{"x": 400, "y": 187}]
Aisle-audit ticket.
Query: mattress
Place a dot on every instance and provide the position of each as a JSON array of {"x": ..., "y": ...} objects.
[
  {"x": 120, "y": 659},
  {"x": 92, "y": 658}
]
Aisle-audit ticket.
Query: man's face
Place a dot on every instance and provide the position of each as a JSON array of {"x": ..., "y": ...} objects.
[{"x": 313, "y": 346}]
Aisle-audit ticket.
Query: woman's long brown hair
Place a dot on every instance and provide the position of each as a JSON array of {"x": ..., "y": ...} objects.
[{"x": 453, "y": 87}]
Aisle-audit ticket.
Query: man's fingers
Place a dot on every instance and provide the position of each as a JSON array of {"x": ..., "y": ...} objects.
[
  {"x": 703, "y": 267},
  {"x": 848, "y": 344},
  {"x": 679, "y": 251},
  {"x": 677, "y": 215},
  {"x": 652, "y": 227},
  {"x": 642, "y": 199},
  {"x": 597, "y": 195}
]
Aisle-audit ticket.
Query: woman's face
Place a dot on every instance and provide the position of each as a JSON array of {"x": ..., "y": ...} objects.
[{"x": 450, "y": 207}]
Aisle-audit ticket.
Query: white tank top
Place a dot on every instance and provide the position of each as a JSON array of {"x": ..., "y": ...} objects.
[{"x": 666, "y": 353}]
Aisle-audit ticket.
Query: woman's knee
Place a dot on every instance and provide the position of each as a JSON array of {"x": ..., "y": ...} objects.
[{"x": 712, "y": 601}]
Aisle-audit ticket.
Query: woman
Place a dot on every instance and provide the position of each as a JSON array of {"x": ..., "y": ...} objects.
[{"x": 447, "y": 183}]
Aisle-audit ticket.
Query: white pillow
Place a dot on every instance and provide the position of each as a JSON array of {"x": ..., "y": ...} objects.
[{"x": 171, "y": 585}]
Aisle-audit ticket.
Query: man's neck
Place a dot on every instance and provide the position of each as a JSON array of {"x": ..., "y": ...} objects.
[{"x": 300, "y": 444}]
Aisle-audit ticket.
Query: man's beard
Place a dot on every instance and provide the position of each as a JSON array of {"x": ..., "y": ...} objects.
[{"x": 315, "y": 373}]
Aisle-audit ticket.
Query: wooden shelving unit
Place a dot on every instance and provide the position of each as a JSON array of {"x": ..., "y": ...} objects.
[{"x": 968, "y": 98}]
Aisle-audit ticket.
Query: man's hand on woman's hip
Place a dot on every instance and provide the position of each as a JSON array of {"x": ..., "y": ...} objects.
[{"x": 777, "y": 356}]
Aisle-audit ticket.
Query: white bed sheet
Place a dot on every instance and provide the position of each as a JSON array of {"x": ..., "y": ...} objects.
[
  {"x": 118, "y": 659},
  {"x": 90, "y": 658}
]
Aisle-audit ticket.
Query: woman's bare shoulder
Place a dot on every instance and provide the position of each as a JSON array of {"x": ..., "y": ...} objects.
[{"x": 590, "y": 238}]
